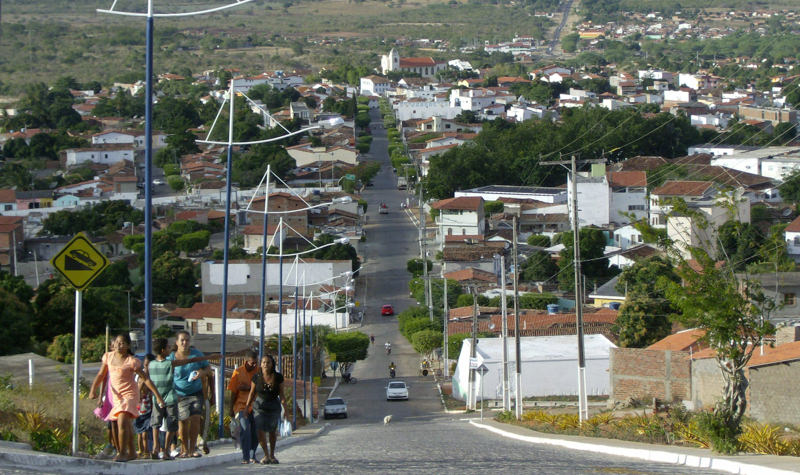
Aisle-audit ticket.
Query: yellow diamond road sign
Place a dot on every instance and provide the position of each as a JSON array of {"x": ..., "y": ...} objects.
[{"x": 80, "y": 262}]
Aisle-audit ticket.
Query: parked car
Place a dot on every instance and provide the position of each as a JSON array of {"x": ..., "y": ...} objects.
[
  {"x": 335, "y": 407},
  {"x": 383, "y": 209},
  {"x": 387, "y": 310},
  {"x": 396, "y": 390}
]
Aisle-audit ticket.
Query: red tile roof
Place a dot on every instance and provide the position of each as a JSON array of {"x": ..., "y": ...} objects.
[
  {"x": 794, "y": 226},
  {"x": 472, "y": 203},
  {"x": 778, "y": 354},
  {"x": 633, "y": 178},
  {"x": 681, "y": 341},
  {"x": 10, "y": 219},
  {"x": 8, "y": 196},
  {"x": 258, "y": 229},
  {"x": 682, "y": 188}
]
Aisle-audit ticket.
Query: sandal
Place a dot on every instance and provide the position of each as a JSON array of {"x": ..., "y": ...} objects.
[
  {"x": 196, "y": 455},
  {"x": 182, "y": 456},
  {"x": 273, "y": 460},
  {"x": 265, "y": 461},
  {"x": 167, "y": 456},
  {"x": 246, "y": 462}
]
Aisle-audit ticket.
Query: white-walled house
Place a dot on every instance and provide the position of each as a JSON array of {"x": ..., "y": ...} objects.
[
  {"x": 792, "y": 236},
  {"x": 628, "y": 196},
  {"x": 421, "y": 108},
  {"x": 130, "y": 137},
  {"x": 374, "y": 85},
  {"x": 104, "y": 155},
  {"x": 594, "y": 198},
  {"x": 628, "y": 236},
  {"x": 306, "y": 154},
  {"x": 689, "y": 191},
  {"x": 460, "y": 216},
  {"x": 685, "y": 232},
  {"x": 476, "y": 99},
  {"x": 771, "y": 162}
]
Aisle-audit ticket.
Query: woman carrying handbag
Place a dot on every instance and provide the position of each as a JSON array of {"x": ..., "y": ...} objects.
[{"x": 267, "y": 399}]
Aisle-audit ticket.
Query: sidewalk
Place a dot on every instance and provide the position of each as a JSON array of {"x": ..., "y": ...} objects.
[
  {"x": 21, "y": 457},
  {"x": 686, "y": 456}
]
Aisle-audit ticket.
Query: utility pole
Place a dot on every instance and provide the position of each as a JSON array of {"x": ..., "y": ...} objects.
[
  {"x": 471, "y": 400},
  {"x": 446, "y": 317},
  {"x": 518, "y": 373},
  {"x": 504, "y": 327},
  {"x": 424, "y": 247},
  {"x": 583, "y": 411}
]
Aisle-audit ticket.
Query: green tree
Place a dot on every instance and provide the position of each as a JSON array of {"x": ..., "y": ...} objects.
[
  {"x": 425, "y": 341},
  {"x": 346, "y": 348},
  {"x": 538, "y": 240},
  {"x": 569, "y": 43},
  {"x": 538, "y": 267},
  {"x": 466, "y": 300},
  {"x": 172, "y": 277},
  {"x": 534, "y": 300},
  {"x": 790, "y": 188},
  {"x": 454, "y": 344},
  {"x": 641, "y": 321},
  {"x": 593, "y": 264},
  {"x": 493, "y": 207},
  {"x": 414, "y": 266},
  {"x": 15, "y": 325},
  {"x": 193, "y": 242}
]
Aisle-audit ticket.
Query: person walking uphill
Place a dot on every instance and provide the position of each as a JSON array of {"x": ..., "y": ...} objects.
[
  {"x": 120, "y": 365},
  {"x": 189, "y": 389},
  {"x": 239, "y": 386},
  {"x": 266, "y": 398}
]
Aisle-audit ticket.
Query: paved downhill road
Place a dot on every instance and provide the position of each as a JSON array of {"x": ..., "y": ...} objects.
[
  {"x": 439, "y": 444},
  {"x": 420, "y": 438}
]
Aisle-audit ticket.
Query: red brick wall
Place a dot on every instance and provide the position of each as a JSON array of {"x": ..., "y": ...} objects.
[{"x": 644, "y": 374}]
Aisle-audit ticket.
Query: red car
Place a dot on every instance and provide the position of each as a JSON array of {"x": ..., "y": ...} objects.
[{"x": 387, "y": 310}]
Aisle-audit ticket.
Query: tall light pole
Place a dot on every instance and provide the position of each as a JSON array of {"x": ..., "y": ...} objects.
[
  {"x": 148, "y": 149},
  {"x": 518, "y": 352},
  {"x": 265, "y": 232},
  {"x": 504, "y": 329}
]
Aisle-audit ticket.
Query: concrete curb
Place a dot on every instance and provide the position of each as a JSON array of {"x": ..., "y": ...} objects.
[
  {"x": 441, "y": 397},
  {"x": 650, "y": 455},
  {"x": 65, "y": 464}
]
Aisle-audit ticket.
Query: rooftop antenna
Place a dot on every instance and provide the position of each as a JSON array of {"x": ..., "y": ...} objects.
[{"x": 148, "y": 185}]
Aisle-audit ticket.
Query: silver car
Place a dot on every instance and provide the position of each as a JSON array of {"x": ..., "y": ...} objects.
[{"x": 335, "y": 407}]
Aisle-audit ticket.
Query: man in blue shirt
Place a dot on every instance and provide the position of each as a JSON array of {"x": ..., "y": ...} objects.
[{"x": 187, "y": 381}]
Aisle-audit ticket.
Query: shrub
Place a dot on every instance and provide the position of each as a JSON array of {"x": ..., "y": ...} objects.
[
  {"x": 415, "y": 325},
  {"x": 722, "y": 436},
  {"x": 763, "y": 439},
  {"x": 533, "y": 300},
  {"x": 60, "y": 349},
  {"x": 425, "y": 341},
  {"x": 538, "y": 240}
]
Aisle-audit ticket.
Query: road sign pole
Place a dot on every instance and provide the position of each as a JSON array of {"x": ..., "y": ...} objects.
[{"x": 76, "y": 370}]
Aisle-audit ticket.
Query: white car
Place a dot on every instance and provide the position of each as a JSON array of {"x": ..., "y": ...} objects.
[
  {"x": 158, "y": 181},
  {"x": 396, "y": 390},
  {"x": 335, "y": 407}
]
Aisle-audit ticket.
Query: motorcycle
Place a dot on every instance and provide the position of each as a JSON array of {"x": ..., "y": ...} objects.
[{"x": 391, "y": 373}]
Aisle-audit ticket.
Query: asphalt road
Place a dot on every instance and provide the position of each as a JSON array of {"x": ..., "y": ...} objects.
[{"x": 420, "y": 438}]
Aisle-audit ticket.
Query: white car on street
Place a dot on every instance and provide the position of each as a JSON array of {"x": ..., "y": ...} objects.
[
  {"x": 396, "y": 390},
  {"x": 335, "y": 407}
]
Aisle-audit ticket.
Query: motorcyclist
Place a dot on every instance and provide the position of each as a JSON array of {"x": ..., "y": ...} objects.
[
  {"x": 391, "y": 370},
  {"x": 391, "y": 365},
  {"x": 372, "y": 339},
  {"x": 388, "y": 347}
]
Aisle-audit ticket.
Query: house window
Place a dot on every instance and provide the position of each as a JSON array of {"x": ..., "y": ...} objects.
[
  {"x": 635, "y": 207},
  {"x": 209, "y": 327},
  {"x": 788, "y": 298},
  {"x": 797, "y": 240}
]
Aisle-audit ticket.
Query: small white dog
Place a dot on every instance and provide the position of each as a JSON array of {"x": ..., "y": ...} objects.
[{"x": 387, "y": 419}]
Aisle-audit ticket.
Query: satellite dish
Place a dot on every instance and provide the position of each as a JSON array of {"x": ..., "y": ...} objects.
[
  {"x": 786, "y": 212},
  {"x": 491, "y": 326}
]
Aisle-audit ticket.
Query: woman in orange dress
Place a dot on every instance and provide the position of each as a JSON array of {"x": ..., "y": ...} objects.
[{"x": 121, "y": 366}]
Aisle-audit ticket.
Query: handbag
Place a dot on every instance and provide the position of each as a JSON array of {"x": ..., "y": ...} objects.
[{"x": 286, "y": 428}]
